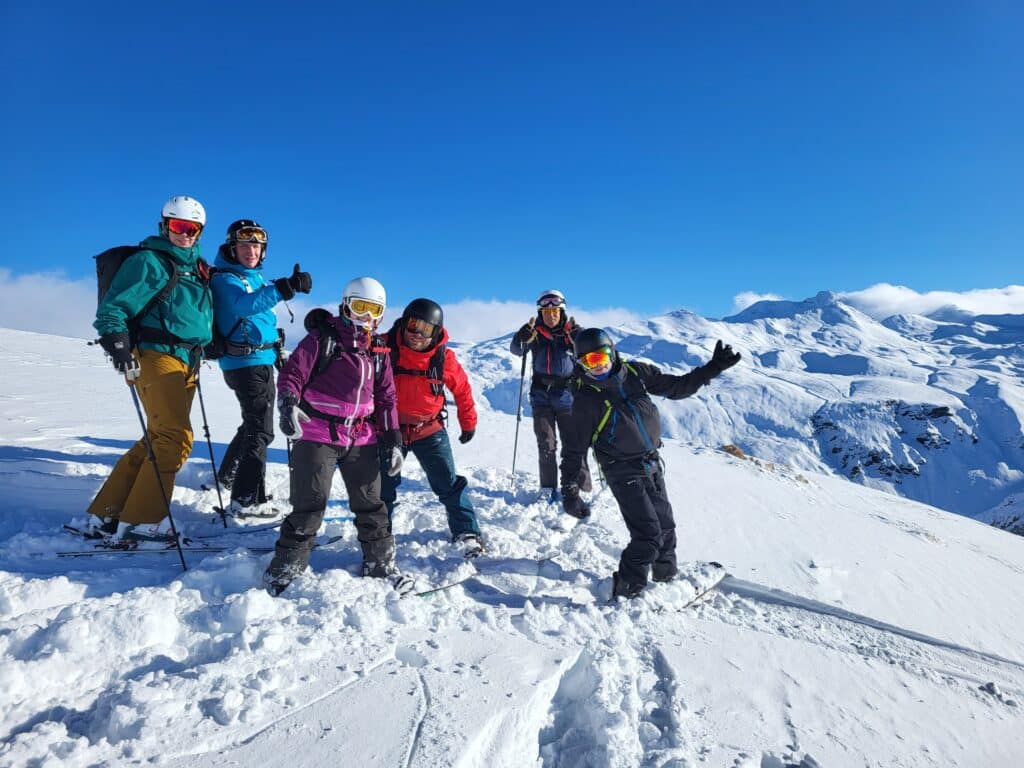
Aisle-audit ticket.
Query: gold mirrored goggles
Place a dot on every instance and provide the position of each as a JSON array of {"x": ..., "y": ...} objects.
[{"x": 359, "y": 306}]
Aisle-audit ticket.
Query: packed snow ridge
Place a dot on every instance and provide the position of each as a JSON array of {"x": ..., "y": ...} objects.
[{"x": 929, "y": 408}]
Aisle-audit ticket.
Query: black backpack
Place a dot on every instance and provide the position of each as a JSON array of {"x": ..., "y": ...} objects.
[{"x": 110, "y": 261}]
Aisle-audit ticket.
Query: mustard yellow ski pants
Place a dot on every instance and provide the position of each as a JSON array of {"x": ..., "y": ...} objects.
[{"x": 165, "y": 387}]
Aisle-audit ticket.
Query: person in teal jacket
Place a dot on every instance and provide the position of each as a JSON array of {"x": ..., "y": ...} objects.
[
  {"x": 244, "y": 313},
  {"x": 160, "y": 360}
]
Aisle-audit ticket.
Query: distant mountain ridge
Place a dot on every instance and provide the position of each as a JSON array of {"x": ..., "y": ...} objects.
[{"x": 927, "y": 407}]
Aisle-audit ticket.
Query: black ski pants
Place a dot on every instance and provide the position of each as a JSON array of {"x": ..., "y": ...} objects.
[
  {"x": 639, "y": 487},
  {"x": 313, "y": 466},
  {"x": 545, "y": 421},
  {"x": 244, "y": 467}
]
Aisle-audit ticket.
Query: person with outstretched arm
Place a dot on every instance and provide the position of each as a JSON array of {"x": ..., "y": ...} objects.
[{"x": 614, "y": 415}]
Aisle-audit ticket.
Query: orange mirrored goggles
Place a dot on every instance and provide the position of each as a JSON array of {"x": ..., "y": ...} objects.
[
  {"x": 597, "y": 358},
  {"x": 251, "y": 235},
  {"x": 366, "y": 307},
  {"x": 186, "y": 228},
  {"x": 420, "y": 327}
]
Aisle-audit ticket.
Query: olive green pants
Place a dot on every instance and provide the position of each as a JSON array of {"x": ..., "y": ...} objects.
[{"x": 165, "y": 387}]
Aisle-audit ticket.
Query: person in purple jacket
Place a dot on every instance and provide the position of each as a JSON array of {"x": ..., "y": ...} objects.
[{"x": 335, "y": 395}]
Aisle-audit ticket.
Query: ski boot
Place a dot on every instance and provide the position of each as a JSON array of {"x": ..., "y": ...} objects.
[{"x": 469, "y": 544}]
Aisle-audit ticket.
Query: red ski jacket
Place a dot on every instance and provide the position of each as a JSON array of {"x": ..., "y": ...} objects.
[{"x": 419, "y": 405}]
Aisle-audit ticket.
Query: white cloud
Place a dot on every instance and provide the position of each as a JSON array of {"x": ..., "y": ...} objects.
[
  {"x": 472, "y": 320},
  {"x": 883, "y": 300},
  {"x": 747, "y": 298},
  {"x": 48, "y": 302}
]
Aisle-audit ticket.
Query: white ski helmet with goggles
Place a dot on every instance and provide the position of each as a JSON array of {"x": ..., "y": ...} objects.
[
  {"x": 551, "y": 298},
  {"x": 363, "y": 301},
  {"x": 185, "y": 208}
]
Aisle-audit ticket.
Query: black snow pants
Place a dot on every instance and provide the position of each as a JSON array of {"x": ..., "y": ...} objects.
[
  {"x": 639, "y": 487},
  {"x": 244, "y": 466},
  {"x": 313, "y": 466},
  {"x": 545, "y": 420}
]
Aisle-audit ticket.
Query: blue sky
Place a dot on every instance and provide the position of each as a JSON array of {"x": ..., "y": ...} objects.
[{"x": 649, "y": 157}]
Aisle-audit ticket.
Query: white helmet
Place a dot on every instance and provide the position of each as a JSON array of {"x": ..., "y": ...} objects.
[
  {"x": 364, "y": 289},
  {"x": 551, "y": 298},
  {"x": 185, "y": 208}
]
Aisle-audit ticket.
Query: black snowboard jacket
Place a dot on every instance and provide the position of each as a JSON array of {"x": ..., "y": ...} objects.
[{"x": 617, "y": 417}]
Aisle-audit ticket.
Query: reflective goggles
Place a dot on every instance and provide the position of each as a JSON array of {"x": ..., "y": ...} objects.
[
  {"x": 551, "y": 301},
  {"x": 359, "y": 306},
  {"x": 251, "y": 235},
  {"x": 597, "y": 358},
  {"x": 183, "y": 227},
  {"x": 421, "y": 328}
]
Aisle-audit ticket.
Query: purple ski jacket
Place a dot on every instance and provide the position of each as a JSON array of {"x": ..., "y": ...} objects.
[{"x": 350, "y": 402}]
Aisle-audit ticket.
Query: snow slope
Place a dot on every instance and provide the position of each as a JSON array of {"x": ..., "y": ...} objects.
[
  {"x": 858, "y": 628},
  {"x": 926, "y": 408}
]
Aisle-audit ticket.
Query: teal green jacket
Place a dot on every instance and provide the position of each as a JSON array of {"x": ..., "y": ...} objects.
[{"x": 187, "y": 313}]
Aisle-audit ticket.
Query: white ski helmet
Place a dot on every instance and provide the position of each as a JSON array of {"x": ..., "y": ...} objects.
[
  {"x": 363, "y": 289},
  {"x": 552, "y": 298},
  {"x": 185, "y": 208}
]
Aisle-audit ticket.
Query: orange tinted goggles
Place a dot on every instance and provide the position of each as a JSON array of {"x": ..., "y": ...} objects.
[
  {"x": 251, "y": 235},
  {"x": 186, "y": 228},
  {"x": 366, "y": 307},
  {"x": 597, "y": 358},
  {"x": 420, "y": 327}
]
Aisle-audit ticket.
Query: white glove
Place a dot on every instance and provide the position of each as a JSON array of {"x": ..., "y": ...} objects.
[{"x": 395, "y": 460}]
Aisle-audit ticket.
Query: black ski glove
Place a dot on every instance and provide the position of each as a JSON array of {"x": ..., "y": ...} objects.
[
  {"x": 299, "y": 282},
  {"x": 526, "y": 334},
  {"x": 466, "y": 436},
  {"x": 290, "y": 416},
  {"x": 722, "y": 359},
  {"x": 573, "y": 504},
  {"x": 119, "y": 347}
]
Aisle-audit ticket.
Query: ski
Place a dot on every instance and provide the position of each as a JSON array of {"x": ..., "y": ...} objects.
[{"x": 443, "y": 587}]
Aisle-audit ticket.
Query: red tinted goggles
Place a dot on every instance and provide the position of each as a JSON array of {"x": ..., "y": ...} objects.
[
  {"x": 183, "y": 227},
  {"x": 597, "y": 358},
  {"x": 421, "y": 328}
]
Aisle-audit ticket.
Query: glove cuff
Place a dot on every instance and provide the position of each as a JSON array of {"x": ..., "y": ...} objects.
[{"x": 284, "y": 288}]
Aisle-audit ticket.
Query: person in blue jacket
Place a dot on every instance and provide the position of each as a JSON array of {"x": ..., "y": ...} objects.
[{"x": 243, "y": 305}]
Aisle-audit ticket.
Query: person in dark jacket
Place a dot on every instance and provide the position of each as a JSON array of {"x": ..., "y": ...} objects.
[
  {"x": 424, "y": 366},
  {"x": 162, "y": 366},
  {"x": 336, "y": 400},
  {"x": 549, "y": 337},
  {"x": 244, "y": 304},
  {"x": 613, "y": 413}
]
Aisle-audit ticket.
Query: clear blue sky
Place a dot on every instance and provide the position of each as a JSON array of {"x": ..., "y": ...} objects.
[{"x": 643, "y": 155}]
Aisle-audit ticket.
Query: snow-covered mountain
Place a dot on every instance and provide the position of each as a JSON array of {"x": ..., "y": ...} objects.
[
  {"x": 930, "y": 408},
  {"x": 858, "y": 628}
]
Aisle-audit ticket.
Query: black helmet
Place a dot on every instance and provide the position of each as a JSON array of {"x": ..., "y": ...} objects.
[
  {"x": 246, "y": 231},
  {"x": 590, "y": 339},
  {"x": 425, "y": 309}
]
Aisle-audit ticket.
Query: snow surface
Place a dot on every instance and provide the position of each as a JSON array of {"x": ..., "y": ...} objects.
[
  {"x": 931, "y": 409},
  {"x": 858, "y": 628}
]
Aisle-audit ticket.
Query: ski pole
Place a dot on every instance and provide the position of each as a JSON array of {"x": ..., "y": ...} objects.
[
  {"x": 206, "y": 431},
  {"x": 156, "y": 468},
  {"x": 519, "y": 419}
]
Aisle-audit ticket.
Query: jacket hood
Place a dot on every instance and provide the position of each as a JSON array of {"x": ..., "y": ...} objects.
[
  {"x": 221, "y": 262},
  {"x": 184, "y": 256}
]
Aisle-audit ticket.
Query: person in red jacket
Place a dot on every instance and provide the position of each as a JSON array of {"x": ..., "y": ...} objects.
[{"x": 423, "y": 367}]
